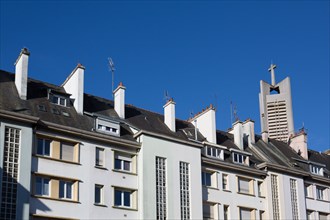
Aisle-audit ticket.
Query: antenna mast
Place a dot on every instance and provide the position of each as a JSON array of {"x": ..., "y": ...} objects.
[{"x": 112, "y": 69}]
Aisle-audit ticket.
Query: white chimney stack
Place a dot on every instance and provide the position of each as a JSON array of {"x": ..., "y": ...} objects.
[
  {"x": 237, "y": 131},
  {"x": 264, "y": 136},
  {"x": 206, "y": 124},
  {"x": 119, "y": 99},
  {"x": 74, "y": 85},
  {"x": 248, "y": 130},
  {"x": 21, "y": 73},
  {"x": 169, "y": 114},
  {"x": 298, "y": 142}
]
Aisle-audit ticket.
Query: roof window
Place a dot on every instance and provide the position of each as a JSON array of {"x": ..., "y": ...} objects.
[{"x": 107, "y": 127}]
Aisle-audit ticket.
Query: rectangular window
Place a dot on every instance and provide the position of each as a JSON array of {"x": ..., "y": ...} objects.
[
  {"x": 123, "y": 198},
  {"x": 225, "y": 212},
  {"x": 245, "y": 185},
  {"x": 98, "y": 194},
  {"x": 66, "y": 189},
  {"x": 123, "y": 162},
  {"x": 275, "y": 197},
  {"x": 323, "y": 216},
  {"x": 316, "y": 169},
  {"x": 206, "y": 178},
  {"x": 161, "y": 192},
  {"x": 67, "y": 152},
  {"x": 184, "y": 190},
  {"x": 262, "y": 215},
  {"x": 43, "y": 147},
  {"x": 239, "y": 158},
  {"x": 99, "y": 157},
  {"x": 246, "y": 213},
  {"x": 208, "y": 211},
  {"x": 294, "y": 202},
  {"x": 58, "y": 100},
  {"x": 213, "y": 152},
  {"x": 320, "y": 192},
  {"x": 10, "y": 168},
  {"x": 42, "y": 186},
  {"x": 225, "y": 182},
  {"x": 310, "y": 215},
  {"x": 260, "y": 189}
]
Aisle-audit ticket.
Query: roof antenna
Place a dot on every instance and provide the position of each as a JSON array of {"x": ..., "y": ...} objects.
[
  {"x": 166, "y": 96},
  {"x": 112, "y": 69}
]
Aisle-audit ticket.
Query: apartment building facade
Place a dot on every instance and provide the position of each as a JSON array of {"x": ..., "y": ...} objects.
[{"x": 65, "y": 154}]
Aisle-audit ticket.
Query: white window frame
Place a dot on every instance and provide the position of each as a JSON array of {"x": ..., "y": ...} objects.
[
  {"x": 43, "y": 147},
  {"x": 213, "y": 152},
  {"x": 240, "y": 158},
  {"x": 42, "y": 185},
  {"x": 56, "y": 99},
  {"x": 205, "y": 174},
  {"x": 226, "y": 212},
  {"x": 248, "y": 181},
  {"x": 161, "y": 188},
  {"x": 123, "y": 158},
  {"x": 321, "y": 193},
  {"x": 73, "y": 151},
  {"x": 185, "y": 190},
  {"x": 100, "y": 187},
  {"x": 308, "y": 190},
  {"x": 212, "y": 208},
  {"x": 315, "y": 169},
  {"x": 65, "y": 192},
  {"x": 99, "y": 156},
  {"x": 122, "y": 195},
  {"x": 294, "y": 199},
  {"x": 225, "y": 181},
  {"x": 107, "y": 127},
  {"x": 250, "y": 210}
]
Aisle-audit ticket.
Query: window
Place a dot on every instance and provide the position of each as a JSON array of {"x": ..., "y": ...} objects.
[
  {"x": 161, "y": 210},
  {"x": 123, "y": 198},
  {"x": 42, "y": 186},
  {"x": 308, "y": 190},
  {"x": 323, "y": 216},
  {"x": 225, "y": 182},
  {"x": 43, "y": 147},
  {"x": 262, "y": 215},
  {"x": 184, "y": 190},
  {"x": 245, "y": 185},
  {"x": 310, "y": 215},
  {"x": 294, "y": 202},
  {"x": 66, "y": 189},
  {"x": 208, "y": 211},
  {"x": 206, "y": 178},
  {"x": 98, "y": 194},
  {"x": 67, "y": 151},
  {"x": 275, "y": 197},
  {"x": 320, "y": 192},
  {"x": 99, "y": 157},
  {"x": 246, "y": 213},
  {"x": 261, "y": 189},
  {"x": 107, "y": 126},
  {"x": 225, "y": 212},
  {"x": 240, "y": 158},
  {"x": 58, "y": 100},
  {"x": 213, "y": 152},
  {"x": 10, "y": 172},
  {"x": 316, "y": 169},
  {"x": 123, "y": 162}
]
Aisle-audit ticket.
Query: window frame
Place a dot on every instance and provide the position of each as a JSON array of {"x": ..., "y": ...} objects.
[
  {"x": 250, "y": 183},
  {"x": 122, "y": 158},
  {"x": 239, "y": 158},
  {"x": 98, "y": 155},
  {"x": 42, "y": 178},
  {"x": 101, "y": 194},
  {"x": 122, "y": 198},
  {"x": 225, "y": 184},
  {"x": 66, "y": 183},
  {"x": 206, "y": 174},
  {"x": 43, "y": 147}
]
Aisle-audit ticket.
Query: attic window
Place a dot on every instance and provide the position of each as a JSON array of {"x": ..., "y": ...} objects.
[
  {"x": 55, "y": 111},
  {"x": 213, "y": 152},
  {"x": 65, "y": 114},
  {"x": 240, "y": 158},
  {"x": 59, "y": 100},
  {"x": 316, "y": 169},
  {"x": 42, "y": 108},
  {"x": 107, "y": 127}
]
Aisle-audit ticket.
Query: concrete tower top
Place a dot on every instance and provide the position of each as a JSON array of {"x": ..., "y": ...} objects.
[{"x": 272, "y": 72}]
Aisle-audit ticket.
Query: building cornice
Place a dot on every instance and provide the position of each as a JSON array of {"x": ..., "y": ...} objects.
[
  {"x": 165, "y": 137},
  {"x": 18, "y": 117},
  {"x": 284, "y": 169},
  {"x": 241, "y": 168}
]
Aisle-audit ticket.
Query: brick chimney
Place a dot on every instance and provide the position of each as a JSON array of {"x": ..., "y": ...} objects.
[
  {"x": 119, "y": 99},
  {"x": 206, "y": 124},
  {"x": 169, "y": 114},
  {"x": 21, "y": 73},
  {"x": 74, "y": 85}
]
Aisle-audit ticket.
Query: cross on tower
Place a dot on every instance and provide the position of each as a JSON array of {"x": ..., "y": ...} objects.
[{"x": 272, "y": 72}]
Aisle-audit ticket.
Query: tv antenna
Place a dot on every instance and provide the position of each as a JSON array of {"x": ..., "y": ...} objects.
[
  {"x": 167, "y": 96},
  {"x": 112, "y": 69},
  {"x": 233, "y": 112}
]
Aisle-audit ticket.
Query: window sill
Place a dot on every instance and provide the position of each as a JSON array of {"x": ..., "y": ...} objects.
[
  {"x": 101, "y": 205},
  {"x": 55, "y": 199},
  {"x": 55, "y": 159},
  {"x": 226, "y": 190},
  {"x": 322, "y": 200},
  {"x": 247, "y": 194},
  {"x": 210, "y": 187},
  {"x": 124, "y": 208},
  {"x": 100, "y": 167},
  {"x": 261, "y": 196},
  {"x": 309, "y": 197},
  {"x": 123, "y": 171}
]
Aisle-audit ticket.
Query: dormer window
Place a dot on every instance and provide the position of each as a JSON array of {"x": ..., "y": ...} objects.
[
  {"x": 59, "y": 100},
  {"x": 240, "y": 158},
  {"x": 107, "y": 127},
  {"x": 316, "y": 169},
  {"x": 213, "y": 152}
]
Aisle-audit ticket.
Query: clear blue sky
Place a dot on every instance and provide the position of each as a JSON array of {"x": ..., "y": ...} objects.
[{"x": 200, "y": 52}]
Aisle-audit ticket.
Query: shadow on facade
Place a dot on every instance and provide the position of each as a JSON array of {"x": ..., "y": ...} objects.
[{"x": 15, "y": 198}]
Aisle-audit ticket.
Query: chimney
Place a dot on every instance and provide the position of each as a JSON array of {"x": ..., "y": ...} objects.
[
  {"x": 264, "y": 136},
  {"x": 74, "y": 85},
  {"x": 248, "y": 131},
  {"x": 119, "y": 99},
  {"x": 169, "y": 114},
  {"x": 298, "y": 142},
  {"x": 21, "y": 73},
  {"x": 205, "y": 123},
  {"x": 237, "y": 131}
]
